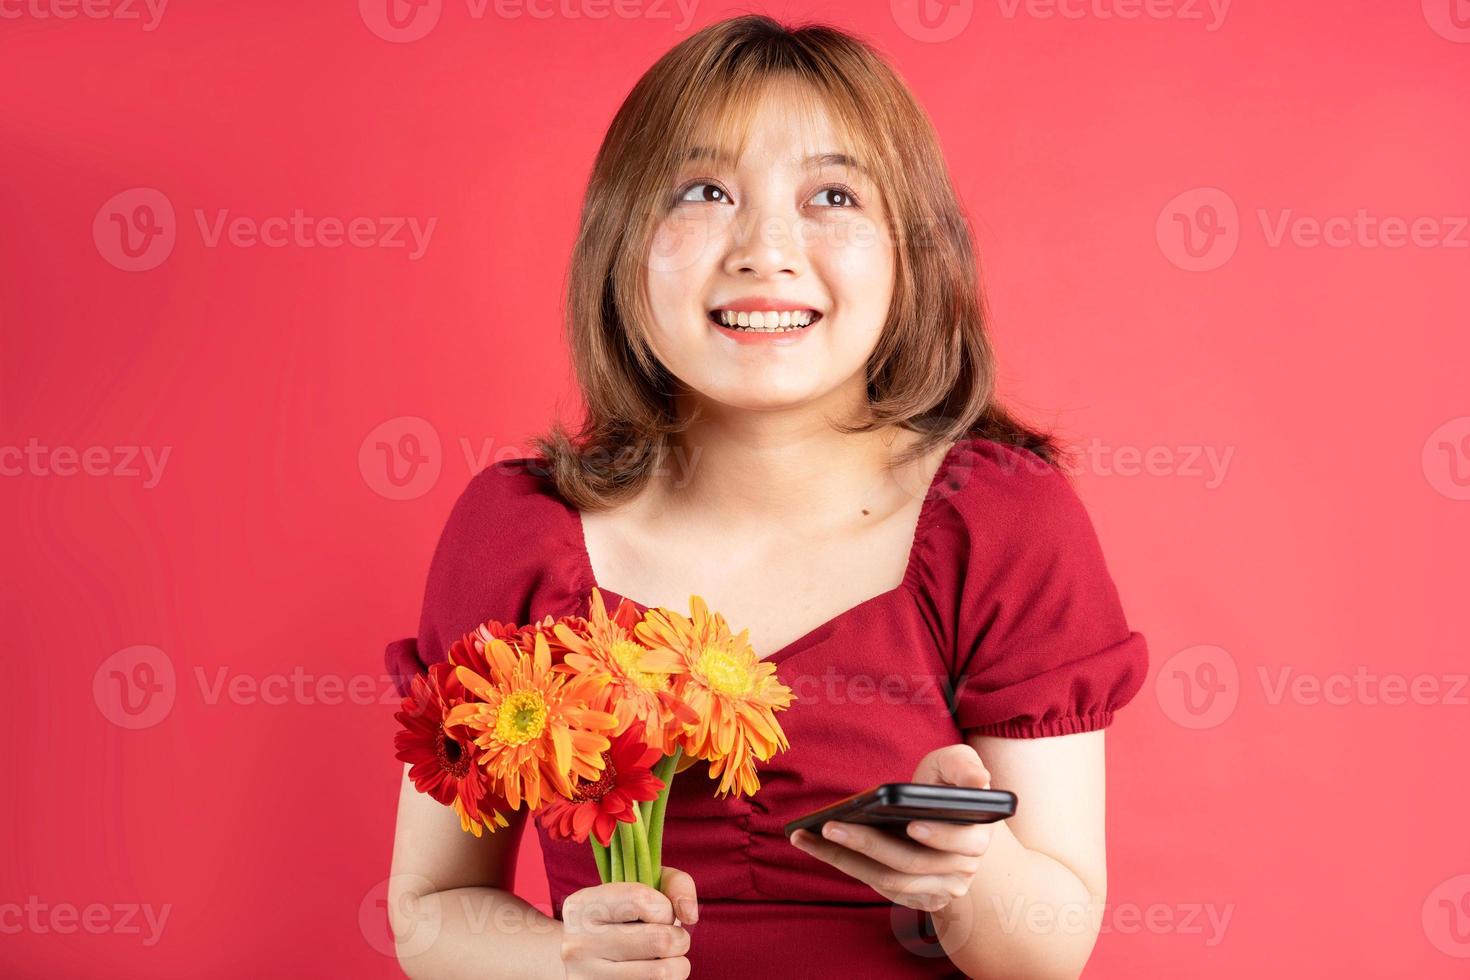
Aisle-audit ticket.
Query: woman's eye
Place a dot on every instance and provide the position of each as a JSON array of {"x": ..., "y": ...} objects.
[
  {"x": 840, "y": 196},
  {"x": 710, "y": 194}
]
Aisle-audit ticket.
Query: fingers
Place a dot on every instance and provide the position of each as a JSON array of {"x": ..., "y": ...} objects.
[
  {"x": 646, "y": 941},
  {"x": 672, "y": 969},
  {"x": 907, "y": 856},
  {"x": 624, "y": 901},
  {"x": 930, "y": 892},
  {"x": 678, "y": 887},
  {"x": 969, "y": 839}
]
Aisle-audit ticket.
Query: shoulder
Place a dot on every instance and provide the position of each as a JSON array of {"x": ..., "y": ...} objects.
[
  {"x": 1007, "y": 495},
  {"x": 511, "y": 494}
]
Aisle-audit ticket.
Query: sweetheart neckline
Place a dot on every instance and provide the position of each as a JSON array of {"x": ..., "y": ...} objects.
[{"x": 921, "y": 525}]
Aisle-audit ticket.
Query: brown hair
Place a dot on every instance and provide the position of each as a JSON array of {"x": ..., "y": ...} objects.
[{"x": 933, "y": 369}]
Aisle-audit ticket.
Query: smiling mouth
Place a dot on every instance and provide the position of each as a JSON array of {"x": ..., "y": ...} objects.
[{"x": 785, "y": 321}]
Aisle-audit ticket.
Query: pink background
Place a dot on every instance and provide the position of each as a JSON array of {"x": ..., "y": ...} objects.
[{"x": 1280, "y": 831}]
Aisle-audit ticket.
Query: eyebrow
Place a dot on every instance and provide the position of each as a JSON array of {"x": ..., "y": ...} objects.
[{"x": 828, "y": 159}]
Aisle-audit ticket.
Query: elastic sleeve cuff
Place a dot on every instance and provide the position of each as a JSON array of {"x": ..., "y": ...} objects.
[{"x": 1045, "y": 728}]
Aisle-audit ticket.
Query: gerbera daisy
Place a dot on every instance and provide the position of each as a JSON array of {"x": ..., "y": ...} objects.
[
  {"x": 469, "y": 650},
  {"x": 734, "y": 693},
  {"x": 637, "y": 688},
  {"x": 532, "y": 725},
  {"x": 442, "y": 758},
  {"x": 627, "y": 779}
]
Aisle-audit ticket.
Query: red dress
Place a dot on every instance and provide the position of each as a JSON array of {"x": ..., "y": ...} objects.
[{"x": 1006, "y": 623}]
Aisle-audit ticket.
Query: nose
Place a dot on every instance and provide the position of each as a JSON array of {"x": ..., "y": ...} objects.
[{"x": 764, "y": 244}]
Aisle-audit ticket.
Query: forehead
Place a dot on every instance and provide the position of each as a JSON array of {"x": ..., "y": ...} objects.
[{"x": 786, "y": 125}]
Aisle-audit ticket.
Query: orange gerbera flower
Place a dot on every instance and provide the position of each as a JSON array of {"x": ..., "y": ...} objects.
[
  {"x": 734, "y": 694},
  {"x": 637, "y": 688},
  {"x": 533, "y": 725}
]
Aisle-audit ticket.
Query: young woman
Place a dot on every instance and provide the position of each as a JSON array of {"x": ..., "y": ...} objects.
[{"x": 778, "y": 336}]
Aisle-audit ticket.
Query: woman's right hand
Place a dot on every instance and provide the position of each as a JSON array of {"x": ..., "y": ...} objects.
[{"x": 625, "y": 930}]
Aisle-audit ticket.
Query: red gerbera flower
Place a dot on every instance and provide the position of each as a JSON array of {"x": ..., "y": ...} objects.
[
  {"x": 627, "y": 779},
  {"x": 442, "y": 759}
]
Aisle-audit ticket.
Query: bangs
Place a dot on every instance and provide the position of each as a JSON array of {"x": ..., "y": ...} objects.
[{"x": 721, "y": 115}]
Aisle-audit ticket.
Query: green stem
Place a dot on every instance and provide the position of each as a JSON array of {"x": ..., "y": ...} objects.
[
  {"x": 600, "y": 855},
  {"x": 640, "y": 849},
  {"x": 630, "y": 852},
  {"x": 665, "y": 771},
  {"x": 615, "y": 857}
]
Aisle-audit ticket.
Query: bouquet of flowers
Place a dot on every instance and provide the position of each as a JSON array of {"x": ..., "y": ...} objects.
[{"x": 586, "y": 722}]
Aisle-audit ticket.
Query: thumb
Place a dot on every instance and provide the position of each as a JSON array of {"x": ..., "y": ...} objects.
[
  {"x": 953, "y": 765},
  {"x": 678, "y": 887}
]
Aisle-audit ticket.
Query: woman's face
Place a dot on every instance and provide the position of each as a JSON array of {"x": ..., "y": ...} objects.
[{"x": 787, "y": 228}]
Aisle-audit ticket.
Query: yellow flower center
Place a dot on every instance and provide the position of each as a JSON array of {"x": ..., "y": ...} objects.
[
  {"x": 628, "y": 655},
  {"x": 723, "y": 671},
  {"x": 522, "y": 717}
]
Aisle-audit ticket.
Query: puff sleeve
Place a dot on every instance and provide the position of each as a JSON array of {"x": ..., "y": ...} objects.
[
  {"x": 1042, "y": 644},
  {"x": 483, "y": 566}
]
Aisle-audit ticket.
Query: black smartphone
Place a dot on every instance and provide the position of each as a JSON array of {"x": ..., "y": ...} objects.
[{"x": 890, "y": 806}]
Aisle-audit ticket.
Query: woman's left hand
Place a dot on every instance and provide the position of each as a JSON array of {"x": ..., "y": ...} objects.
[{"x": 933, "y": 871}]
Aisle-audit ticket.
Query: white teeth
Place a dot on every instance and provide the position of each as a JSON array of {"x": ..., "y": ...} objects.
[{"x": 770, "y": 322}]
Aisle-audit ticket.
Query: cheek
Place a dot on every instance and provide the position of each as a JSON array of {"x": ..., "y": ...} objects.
[
  {"x": 859, "y": 268},
  {"x": 679, "y": 246}
]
